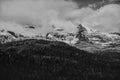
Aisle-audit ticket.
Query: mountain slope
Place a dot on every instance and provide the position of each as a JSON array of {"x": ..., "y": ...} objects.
[
  {"x": 85, "y": 38},
  {"x": 84, "y": 34},
  {"x": 45, "y": 60},
  {"x": 9, "y": 36},
  {"x": 96, "y": 41}
]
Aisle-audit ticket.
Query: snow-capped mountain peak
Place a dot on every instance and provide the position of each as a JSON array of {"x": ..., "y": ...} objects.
[
  {"x": 83, "y": 34},
  {"x": 96, "y": 37},
  {"x": 9, "y": 36}
]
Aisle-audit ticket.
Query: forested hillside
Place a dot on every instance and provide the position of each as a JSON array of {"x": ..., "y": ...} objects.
[{"x": 53, "y": 60}]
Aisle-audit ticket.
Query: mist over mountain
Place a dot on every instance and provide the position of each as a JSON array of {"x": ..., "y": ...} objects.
[
  {"x": 86, "y": 55},
  {"x": 43, "y": 14},
  {"x": 59, "y": 39}
]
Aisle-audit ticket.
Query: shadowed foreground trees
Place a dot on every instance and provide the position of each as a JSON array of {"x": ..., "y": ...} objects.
[{"x": 48, "y": 60}]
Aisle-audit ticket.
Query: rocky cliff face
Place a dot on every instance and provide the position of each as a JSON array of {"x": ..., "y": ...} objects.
[
  {"x": 87, "y": 35},
  {"x": 104, "y": 39},
  {"x": 9, "y": 36},
  {"x": 83, "y": 34}
]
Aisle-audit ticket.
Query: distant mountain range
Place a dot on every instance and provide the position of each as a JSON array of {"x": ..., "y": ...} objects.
[
  {"x": 9, "y": 36},
  {"x": 83, "y": 34},
  {"x": 84, "y": 55}
]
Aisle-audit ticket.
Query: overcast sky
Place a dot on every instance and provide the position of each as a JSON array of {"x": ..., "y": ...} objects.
[{"x": 103, "y": 15}]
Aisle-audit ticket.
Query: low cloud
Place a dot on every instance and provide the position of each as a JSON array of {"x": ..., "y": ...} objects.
[
  {"x": 60, "y": 13},
  {"x": 36, "y": 12},
  {"x": 106, "y": 19},
  {"x": 17, "y": 28}
]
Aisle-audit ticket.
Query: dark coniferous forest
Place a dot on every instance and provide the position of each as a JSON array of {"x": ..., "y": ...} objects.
[{"x": 52, "y": 60}]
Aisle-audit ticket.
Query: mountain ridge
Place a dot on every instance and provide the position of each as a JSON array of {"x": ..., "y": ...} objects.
[
  {"x": 83, "y": 35},
  {"x": 35, "y": 59}
]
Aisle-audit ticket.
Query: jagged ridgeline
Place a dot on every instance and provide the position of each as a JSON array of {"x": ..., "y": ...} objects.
[
  {"x": 83, "y": 34},
  {"x": 52, "y": 60},
  {"x": 84, "y": 39}
]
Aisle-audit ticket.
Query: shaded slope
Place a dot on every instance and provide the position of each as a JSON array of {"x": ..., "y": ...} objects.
[{"x": 52, "y": 60}]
